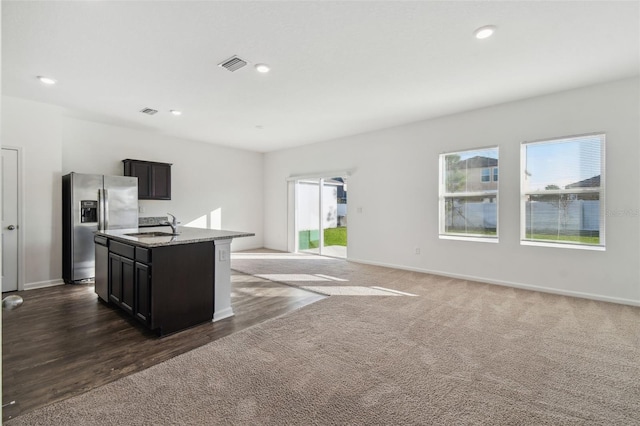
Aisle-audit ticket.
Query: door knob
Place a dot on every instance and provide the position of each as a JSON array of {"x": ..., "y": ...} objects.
[{"x": 11, "y": 227}]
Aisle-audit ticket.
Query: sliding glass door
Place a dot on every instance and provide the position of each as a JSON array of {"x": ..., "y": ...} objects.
[
  {"x": 308, "y": 215},
  {"x": 321, "y": 216}
]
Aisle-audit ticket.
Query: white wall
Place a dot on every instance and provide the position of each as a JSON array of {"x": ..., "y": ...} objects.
[
  {"x": 221, "y": 183},
  {"x": 211, "y": 185},
  {"x": 36, "y": 129},
  {"x": 401, "y": 164}
]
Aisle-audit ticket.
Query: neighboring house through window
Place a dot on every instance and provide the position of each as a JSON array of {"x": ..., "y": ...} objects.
[{"x": 468, "y": 196}]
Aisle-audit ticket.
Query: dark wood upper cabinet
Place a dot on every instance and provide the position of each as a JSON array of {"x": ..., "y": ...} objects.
[{"x": 154, "y": 179}]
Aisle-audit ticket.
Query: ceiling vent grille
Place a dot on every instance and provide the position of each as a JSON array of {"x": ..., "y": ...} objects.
[
  {"x": 233, "y": 64},
  {"x": 149, "y": 111}
]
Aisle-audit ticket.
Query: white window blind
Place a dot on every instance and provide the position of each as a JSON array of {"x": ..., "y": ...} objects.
[{"x": 563, "y": 191}]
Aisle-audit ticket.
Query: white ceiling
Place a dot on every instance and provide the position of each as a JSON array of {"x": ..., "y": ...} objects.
[{"x": 337, "y": 68}]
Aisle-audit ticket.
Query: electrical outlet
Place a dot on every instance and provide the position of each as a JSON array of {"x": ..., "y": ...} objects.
[
  {"x": 224, "y": 255},
  {"x": 142, "y": 209},
  {"x": 417, "y": 250}
]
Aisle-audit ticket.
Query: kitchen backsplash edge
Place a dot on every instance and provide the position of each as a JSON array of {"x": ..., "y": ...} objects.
[{"x": 152, "y": 221}]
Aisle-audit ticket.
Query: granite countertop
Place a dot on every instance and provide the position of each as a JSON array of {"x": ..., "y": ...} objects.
[{"x": 186, "y": 235}]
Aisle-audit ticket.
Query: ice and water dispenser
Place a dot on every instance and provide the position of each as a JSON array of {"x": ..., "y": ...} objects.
[{"x": 88, "y": 211}]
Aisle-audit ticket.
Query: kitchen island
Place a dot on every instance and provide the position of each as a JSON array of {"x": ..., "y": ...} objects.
[{"x": 166, "y": 281}]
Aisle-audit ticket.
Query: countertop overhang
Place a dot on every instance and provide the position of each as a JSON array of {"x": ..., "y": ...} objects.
[{"x": 186, "y": 235}]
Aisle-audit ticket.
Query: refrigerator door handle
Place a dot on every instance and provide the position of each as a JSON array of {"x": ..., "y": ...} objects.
[
  {"x": 100, "y": 211},
  {"x": 105, "y": 197}
]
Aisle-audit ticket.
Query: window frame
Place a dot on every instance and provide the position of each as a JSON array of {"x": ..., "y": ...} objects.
[
  {"x": 601, "y": 246},
  {"x": 442, "y": 196}
]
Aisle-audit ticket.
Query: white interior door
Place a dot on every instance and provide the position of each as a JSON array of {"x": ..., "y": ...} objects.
[{"x": 9, "y": 219}]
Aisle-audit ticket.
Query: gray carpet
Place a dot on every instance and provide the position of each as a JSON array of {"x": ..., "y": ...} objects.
[{"x": 458, "y": 353}]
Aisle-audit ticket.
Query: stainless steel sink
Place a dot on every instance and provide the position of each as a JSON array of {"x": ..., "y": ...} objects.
[{"x": 152, "y": 234}]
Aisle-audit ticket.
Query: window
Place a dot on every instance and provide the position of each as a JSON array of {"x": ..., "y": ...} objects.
[
  {"x": 468, "y": 201},
  {"x": 489, "y": 173},
  {"x": 563, "y": 191}
]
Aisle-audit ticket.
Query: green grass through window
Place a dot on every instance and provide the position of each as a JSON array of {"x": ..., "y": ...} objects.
[
  {"x": 470, "y": 231},
  {"x": 581, "y": 239},
  {"x": 332, "y": 237},
  {"x": 335, "y": 236}
]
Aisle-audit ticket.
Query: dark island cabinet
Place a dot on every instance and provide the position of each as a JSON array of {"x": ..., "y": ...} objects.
[
  {"x": 166, "y": 288},
  {"x": 121, "y": 282},
  {"x": 130, "y": 279},
  {"x": 154, "y": 179},
  {"x": 142, "y": 307},
  {"x": 115, "y": 278}
]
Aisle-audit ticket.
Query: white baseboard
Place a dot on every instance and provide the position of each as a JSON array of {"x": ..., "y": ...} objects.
[
  {"x": 225, "y": 313},
  {"x": 43, "y": 284},
  {"x": 571, "y": 293}
]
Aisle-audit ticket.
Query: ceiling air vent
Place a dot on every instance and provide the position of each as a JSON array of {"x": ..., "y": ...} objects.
[
  {"x": 233, "y": 64},
  {"x": 149, "y": 111}
]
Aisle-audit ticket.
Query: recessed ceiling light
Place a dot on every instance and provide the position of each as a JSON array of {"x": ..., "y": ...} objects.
[
  {"x": 484, "y": 32},
  {"x": 46, "y": 80},
  {"x": 262, "y": 68},
  {"x": 175, "y": 112}
]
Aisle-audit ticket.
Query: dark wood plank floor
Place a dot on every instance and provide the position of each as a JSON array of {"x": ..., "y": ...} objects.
[{"x": 63, "y": 341}]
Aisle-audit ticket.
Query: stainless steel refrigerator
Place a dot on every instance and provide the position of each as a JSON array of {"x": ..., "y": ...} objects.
[{"x": 91, "y": 203}]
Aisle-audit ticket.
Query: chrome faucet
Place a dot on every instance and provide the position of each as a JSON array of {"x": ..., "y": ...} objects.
[{"x": 173, "y": 224}]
